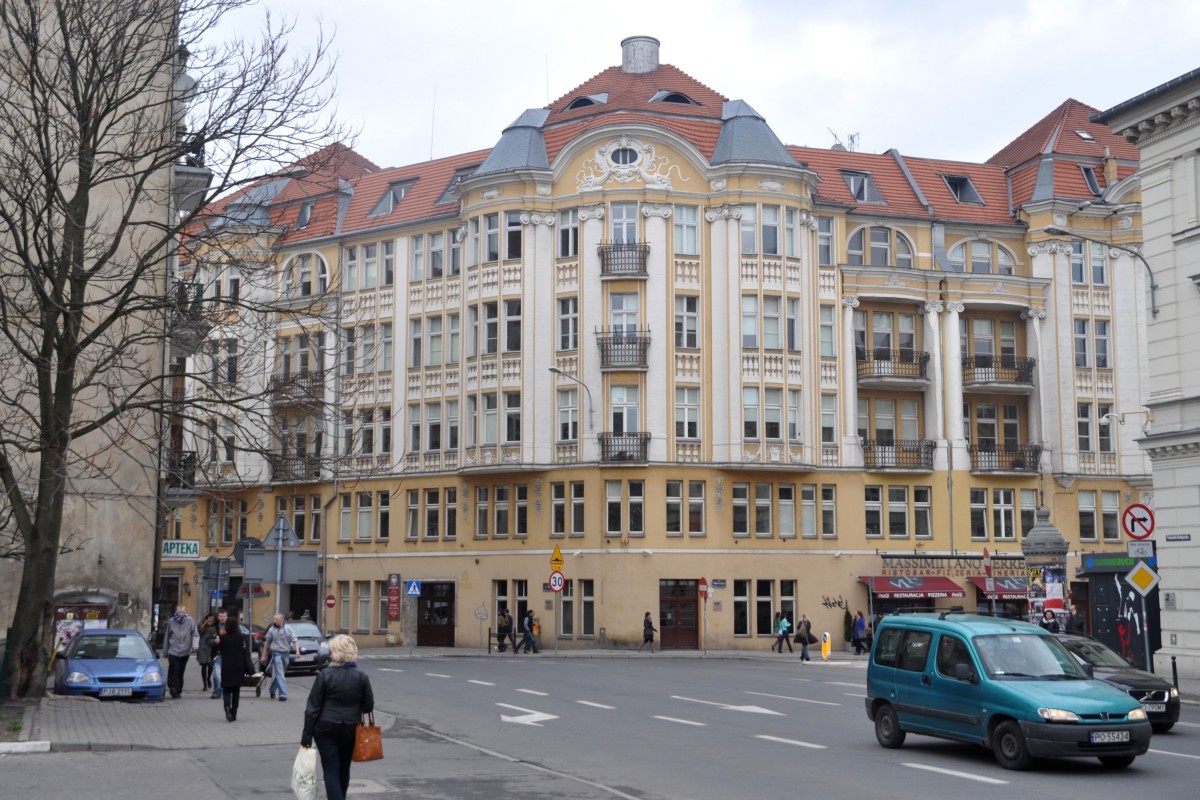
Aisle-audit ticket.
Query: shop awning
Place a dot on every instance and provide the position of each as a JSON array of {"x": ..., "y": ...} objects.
[
  {"x": 1007, "y": 586},
  {"x": 910, "y": 587}
]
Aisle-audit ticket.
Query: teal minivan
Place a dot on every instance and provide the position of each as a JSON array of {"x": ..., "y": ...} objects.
[{"x": 1004, "y": 684}]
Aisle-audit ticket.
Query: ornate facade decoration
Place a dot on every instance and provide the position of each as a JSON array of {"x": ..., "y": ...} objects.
[
  {"x": 717, "y": 185},
  {"x": 722, "y": 212},
  {"x": 770, "y": 185},
  {"x": 646, "y": 167},
  {"x": 957, "y": 308},
  {"x": 998, "y": 287},
  {"x": 933, "y": 307},
  {"x": 809, "y": 220},
  {"x": 491, "y": 193},
  {"x": 591, "y": 212},
  {"x": 849, "y": 301},
  {"x": 1051, "y": 248},
  {"x": 547, "y": 218},
  {"x": 654, "y": 210},
  {"x": 544, "y": 189},
  {"x": 1033, "y": 313}
]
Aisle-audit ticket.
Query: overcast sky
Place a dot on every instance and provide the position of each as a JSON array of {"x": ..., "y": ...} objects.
[{"x": 954, "y": 79}]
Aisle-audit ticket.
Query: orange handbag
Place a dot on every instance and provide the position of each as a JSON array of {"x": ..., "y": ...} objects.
[{"x": 368, "y": 740}]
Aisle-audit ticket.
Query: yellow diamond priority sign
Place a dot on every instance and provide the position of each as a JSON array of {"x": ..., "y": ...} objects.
[{"x": 1143, "y": 578}]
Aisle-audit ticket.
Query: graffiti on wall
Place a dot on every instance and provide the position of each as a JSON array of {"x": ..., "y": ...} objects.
[{"x": 834, "y": 602}]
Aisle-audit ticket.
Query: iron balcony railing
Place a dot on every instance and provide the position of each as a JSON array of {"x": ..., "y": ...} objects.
[
  {"x": 902, "y": 454},
  {"x": 623, "y": 260},
  {"x": 623, "y": 351},
  {"x": 879, "y": 362},
  {"x": 625, "y": 447},
  {"x": 181, "y": 469},
  {"x": 1002, "y": 369},
  {"x": 1005, "y": 458},
  {"x": 304, "y": 388},
  {"x": 295, "y": 468}
]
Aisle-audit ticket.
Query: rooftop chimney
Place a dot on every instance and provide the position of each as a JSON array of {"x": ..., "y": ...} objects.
[{"x": 639, "y": 54}]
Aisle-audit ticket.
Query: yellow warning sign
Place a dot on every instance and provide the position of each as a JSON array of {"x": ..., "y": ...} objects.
[{"x": 556, "y": 560}]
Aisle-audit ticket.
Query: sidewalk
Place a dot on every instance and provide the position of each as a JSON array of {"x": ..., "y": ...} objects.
[{"x": 195, "y": 721}]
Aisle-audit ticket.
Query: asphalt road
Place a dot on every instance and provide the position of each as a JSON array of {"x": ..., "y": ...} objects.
[{"x": 504, "y": 727}]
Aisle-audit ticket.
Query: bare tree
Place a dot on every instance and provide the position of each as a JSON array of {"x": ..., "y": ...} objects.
[{"x": 107, "y": 111}]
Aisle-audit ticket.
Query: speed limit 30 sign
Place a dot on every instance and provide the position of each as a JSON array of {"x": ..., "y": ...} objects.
[{"x": 556, "y": 581}]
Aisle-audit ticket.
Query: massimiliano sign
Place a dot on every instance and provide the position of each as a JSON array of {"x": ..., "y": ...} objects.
[{"x": 950, "y": 566}]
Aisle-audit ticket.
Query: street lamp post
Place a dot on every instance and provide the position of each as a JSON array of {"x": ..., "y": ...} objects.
[
  {"x": 1057, "y": 231},
  {"x": 557, "y": 371}
]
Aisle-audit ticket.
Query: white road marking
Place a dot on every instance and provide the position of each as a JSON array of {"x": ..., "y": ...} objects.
[
  {"x": 727, "y": 707},
  {"x": 595, "y": 705},
  {"x": 1177, "y": 755},
  {"x": 854, "y": 695},
  {"x": 481, "y": 683},
  {"x": 956, "y": 773},
  {"x": 436, "y": 675},
  {"x": 844, "y": 683},
  {"x": 533, "y": 692},
  {"x": 797, "y": 699},
  {"x": 1189, "y": 724},
  {"x": 795, "y": 742},
  {"x": 530, "y": 717},
  {"x": 389, "y": 669},
  {"x": 681, "y": 721}
]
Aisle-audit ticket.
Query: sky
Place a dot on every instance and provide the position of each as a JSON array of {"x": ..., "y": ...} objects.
[{"x": 948, "y": 79}]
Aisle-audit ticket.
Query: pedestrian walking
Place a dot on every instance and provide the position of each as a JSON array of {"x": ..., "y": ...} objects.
[
  {"x": 340, "y": 695},
  {"x": 783, "y": 627},
  {"x": 803, "y": 631},
  {"x": 860, "y": 631},
  {"x": 204, "y": 654},
  {"x": 236, "y": 662},
  {"x": 279, "y": 643},
  {"x": 1049, "y": 621},
  {"x": 504, "y": 630},
  {"x": 181, "y": 639},
  {"x": 527, "y": 627},
  {"x": 1076, "y": 622},
  {"x": 211, "y": 641},
  {"x": 648, "y": 631}
]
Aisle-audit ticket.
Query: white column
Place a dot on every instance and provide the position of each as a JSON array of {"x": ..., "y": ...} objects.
[
  {"x": 538, "y": 282},
  {"x": 935, "y": 397},
  {"x": 726, "y": 359},
  {"x": 851, "y": 455},
  {"x": 660, "y": 375},
  {"x": 591, "y": 318},
  {"x": 954, "y": 388},
  {"x": 1033, "y": 334}
]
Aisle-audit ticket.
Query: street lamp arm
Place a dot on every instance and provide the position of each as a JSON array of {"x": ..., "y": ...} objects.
[
  {"x": 1057, "y": 231},
  {"x": 557, "y": 371}
]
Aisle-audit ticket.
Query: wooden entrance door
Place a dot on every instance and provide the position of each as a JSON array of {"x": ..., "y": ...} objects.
[
  {"x": 435, "y": 615},
  {"x": 678, "y": 614}
]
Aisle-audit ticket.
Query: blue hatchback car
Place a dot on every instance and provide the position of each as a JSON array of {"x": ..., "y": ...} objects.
[{"x": 109, "y": 663}]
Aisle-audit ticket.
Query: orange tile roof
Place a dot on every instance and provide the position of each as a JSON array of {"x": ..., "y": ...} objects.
[
  {"x": 632, "y": 92},
  {"x": 1056, "y": 133},
  {"x": 701, "y": 133}
]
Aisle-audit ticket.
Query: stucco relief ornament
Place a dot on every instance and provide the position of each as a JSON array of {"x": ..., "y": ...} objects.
[
  {"x": 718, "y": 185},
  {"x": 808, "y": 220},
  {"x": 491, "y": 192},
  {"x": 933, "y": 307},
  {"x": 645, "y": 167},
  {"x": 722, "y": 212},
  {"x": 1125, "y": 222},
  {"x": 894, "y": 280},
  {"x": 849, "y": 301},
  {"x": 460, "y": 233},
  {"x": 1033, "y": 313},
  {"x": 957, "y": 308},
  {"x": 591, "y": 212},
  {"x": 770, "y": 185},
  {"x": 998, "y": 287},
  {"x": 547, "y": 218},
  {"x": 650, "y": 210},
  {"x": 544, "y": 189}
]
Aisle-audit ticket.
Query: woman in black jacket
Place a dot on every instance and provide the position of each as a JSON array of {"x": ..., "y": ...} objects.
[
  {"x": 340, "y": 695},
  {"x": 235, "y": 658}
]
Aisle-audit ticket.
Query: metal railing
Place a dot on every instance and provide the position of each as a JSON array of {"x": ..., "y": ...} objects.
[
  {"x": 1011, "y": 458},
  {"x": 624, "y": 447},
  {"x": 901, "y": 454},
  {"x": 298, "y": 389},
  {"x": 295, "y": 468},
  {"x": 623, "y": 260},
  {"x": 878, "y": 362},
  {"x": 181, "y": 469},
  {"x": 623, "y": 351},
  {"x": 1002, "y": 369}
]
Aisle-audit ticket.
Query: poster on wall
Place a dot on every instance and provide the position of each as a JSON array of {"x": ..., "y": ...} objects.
[{"x": 71, "y": 619}]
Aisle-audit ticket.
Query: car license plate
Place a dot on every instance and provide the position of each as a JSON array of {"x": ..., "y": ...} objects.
[
  {"x": 1154, "y": 708},
  {"x": 1107, "y": 737},
  {"x": 303, "y": 658},
  {"x": 116, "y": 691}
]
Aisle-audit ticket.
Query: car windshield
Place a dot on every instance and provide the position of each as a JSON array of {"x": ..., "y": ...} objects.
[
  {"x": 305, "y": 630},
  {"x": 110, "y": 647},
  {"x": 1024, "y": 655},
  {"x": 1095, "y": 653}
]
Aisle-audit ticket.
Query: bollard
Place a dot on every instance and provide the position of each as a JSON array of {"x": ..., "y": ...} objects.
[{"x": 1174, "y": 673}]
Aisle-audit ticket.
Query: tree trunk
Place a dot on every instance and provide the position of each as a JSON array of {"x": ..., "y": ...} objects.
[{"x": 33, "y": 624}]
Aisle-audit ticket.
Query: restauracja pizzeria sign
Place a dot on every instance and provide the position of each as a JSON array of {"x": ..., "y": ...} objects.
[{"x": 950, "y": 566}]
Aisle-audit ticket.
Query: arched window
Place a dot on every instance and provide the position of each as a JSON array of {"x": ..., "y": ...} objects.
[
  {"x": 879, "y": 247},
  {"x": 981, "y": 257},
  {"x": 304, "y": 275}
]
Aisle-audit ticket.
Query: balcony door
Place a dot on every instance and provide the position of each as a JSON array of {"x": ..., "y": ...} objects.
[{"x": 624, "y": 228}]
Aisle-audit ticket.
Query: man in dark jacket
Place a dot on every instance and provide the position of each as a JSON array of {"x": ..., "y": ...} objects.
[
  {"x": 180, "y": 640},
  {"x": 528, "y": 641}
]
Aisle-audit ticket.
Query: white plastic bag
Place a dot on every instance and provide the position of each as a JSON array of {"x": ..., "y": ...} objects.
[{"x": 304, "y": 774}]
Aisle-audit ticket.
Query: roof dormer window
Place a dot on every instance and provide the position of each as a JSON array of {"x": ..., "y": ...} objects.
[
  {"x": 668, "y": 96},
  {"x": 1087, "y": 137},
  {"x": 1089, "y": 176},
  {"x": 305, "y": 215},
  {"x": 963, "y": 190},
  {"x": 862, "y": 186},
  {"x": 391, "y": 198},
  {"x": 450, "y": 195},
  {"x": 587, "y": 100}
]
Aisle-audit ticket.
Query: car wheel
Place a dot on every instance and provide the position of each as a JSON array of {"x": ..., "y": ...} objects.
[
  {"x": 887, "y": 728},
  {"x": 1162, "y": 727},
  {"x": 1008, "y": 743},
  {"x": 1116, "y": 762}
]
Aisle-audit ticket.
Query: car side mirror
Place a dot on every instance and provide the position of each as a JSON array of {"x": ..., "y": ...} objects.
[
  {"x": 1089, "y": 669},
  {"x": 963, "y": 672}
]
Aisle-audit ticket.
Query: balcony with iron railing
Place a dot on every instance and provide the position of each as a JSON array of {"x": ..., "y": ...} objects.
[
  {"x": 1002, "y": 374},
  {"x": 181, "y": 469},
  {"x": 629, "y": 447},
  {"x": 299, "y": 389},
  {"x": 623, "y": 260},
  {"x": 904, "y": 454},
  {"x": 1022, "y": 458},
  {"x": 623, "y": 351},
  {"x": 880, "y": 367},
  {"x": 294, "y": 468}
]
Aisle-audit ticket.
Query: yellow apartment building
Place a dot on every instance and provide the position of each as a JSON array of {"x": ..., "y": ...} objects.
[{"x": 642, "y": 332}]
